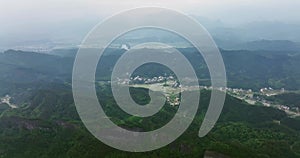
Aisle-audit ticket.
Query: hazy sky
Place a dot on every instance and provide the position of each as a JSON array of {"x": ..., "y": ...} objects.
[
  {"x": 13, "y": 10},
  {"x": 40, "y": 18}
]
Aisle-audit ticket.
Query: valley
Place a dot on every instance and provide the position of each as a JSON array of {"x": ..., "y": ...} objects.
[{"x": 251, "y": 124}]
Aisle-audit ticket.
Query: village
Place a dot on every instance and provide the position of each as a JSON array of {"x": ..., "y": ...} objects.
[
  {"x": 258, "y": 98},
  {"x": 6, "y": 100},
  {"x": 171, "y": 88}
]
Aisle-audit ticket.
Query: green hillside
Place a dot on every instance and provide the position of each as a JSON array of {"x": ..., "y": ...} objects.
[{"x": 48, "y": 125}]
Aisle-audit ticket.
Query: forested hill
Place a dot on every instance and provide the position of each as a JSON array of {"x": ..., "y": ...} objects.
[
  {"x": 47, "y": 124},
  {"x": 245, "y": 69}
]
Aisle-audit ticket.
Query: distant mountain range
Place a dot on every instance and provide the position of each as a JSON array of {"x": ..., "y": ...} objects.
[
  {"x": 227, "y": 36},
  {"x": 266, "y": 45}
]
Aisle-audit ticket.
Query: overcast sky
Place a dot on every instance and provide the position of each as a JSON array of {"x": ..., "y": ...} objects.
[{"x": 25, "y": 18}]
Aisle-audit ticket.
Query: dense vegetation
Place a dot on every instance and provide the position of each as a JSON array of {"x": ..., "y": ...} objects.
[{"x": 47, "y": 125}]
